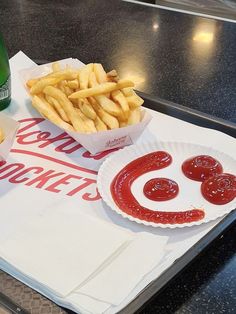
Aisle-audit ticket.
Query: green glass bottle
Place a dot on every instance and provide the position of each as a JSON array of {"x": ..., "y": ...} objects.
[{"x": 5, "y": 77}]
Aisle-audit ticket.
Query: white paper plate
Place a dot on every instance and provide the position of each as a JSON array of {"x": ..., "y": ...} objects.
[{"x": 189, "y": 196}]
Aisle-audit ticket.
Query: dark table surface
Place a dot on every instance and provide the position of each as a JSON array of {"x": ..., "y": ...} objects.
[{"x": 182, "y": 58}]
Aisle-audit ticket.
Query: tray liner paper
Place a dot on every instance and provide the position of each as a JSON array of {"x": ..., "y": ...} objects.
[{"x": 39, "y": 145}]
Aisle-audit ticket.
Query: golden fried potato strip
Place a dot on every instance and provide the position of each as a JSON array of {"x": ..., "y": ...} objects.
[
  {"x": 46, "y": 110},
  {"x": 74, "y": 84},
  {"x": 38, "y": 87},
  {"x": 100, "y": 73},
  {"x": 87, "y": 108},
  {"x": 122, "y": 101},
  {"x": 58, "y": 107},
  {"x": 108, "y": 119},
  {"x": 135, "y": 116},
  {"x": 99, "y": 124},
  {"x": 102, "y": 89},
  {"x": 67, "y": 106},
  {"x": 56, "y": 67},
  {"x": 134, "y": 101},
  {"x": 84, "y": 76},
  {"x": 88, "y": 123}
]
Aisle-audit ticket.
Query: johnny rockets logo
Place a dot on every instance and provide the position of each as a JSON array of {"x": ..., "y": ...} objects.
[{"x": 74, "y": 180}]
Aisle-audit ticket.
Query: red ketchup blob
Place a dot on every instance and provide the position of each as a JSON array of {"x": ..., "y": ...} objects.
[
  {"x": 161, "y": 189},
  {"x": 124, "y": 199},
  {"x": 219, "y": 189},
  {"x": 201, "y": 167}
]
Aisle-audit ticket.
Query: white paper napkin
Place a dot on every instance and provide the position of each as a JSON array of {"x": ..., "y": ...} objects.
[
  {"x": 118, "y": 279},
  {"x": 62, "y": 250},
  {"x": 87, "y": 304}
]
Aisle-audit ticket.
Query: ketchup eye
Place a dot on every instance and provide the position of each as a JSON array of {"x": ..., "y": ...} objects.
[
  {"x": 201, "y": 167},
  {"x": 219, "y": 189},
  {"x": 161, "y": 189}
]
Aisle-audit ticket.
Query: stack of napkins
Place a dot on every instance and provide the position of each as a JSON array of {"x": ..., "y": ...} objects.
[{"x": 78, "y": 260}]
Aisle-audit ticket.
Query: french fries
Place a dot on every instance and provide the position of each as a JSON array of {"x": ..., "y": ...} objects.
[
  {"x": 100, "y": 73},
  {"x": 68, "y": 107},
  {"x": 88, "y": 123},
  {"x": 84, "y": 76},
  {"x": 30, "y": 83},
  {"x": 112, "y": 76},
  {"x": 48, "y": 112},
  {"x": 134, "y": 117},
  {"x": 102, "y": 89},
  {"x": 99, "y": 124},
  {"x": 87, "y": 109},
  {"x": 38, "y": 87},
  {"x": 58, "y": 107},
  {"x": 2, "y": 136},
  {"x": 108, "y": 119},
  {"x": 122, "y": 101},
  {"x": 56, "y": 67},
  {"x": 85, "y": 100},
  {"x": 134, "y": 101},
  {"x": 107, "y": 104},
  {"x": 74, "y": 84}
]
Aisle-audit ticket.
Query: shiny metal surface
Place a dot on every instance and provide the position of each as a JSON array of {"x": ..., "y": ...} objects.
[{"x": 218, "y": 9}]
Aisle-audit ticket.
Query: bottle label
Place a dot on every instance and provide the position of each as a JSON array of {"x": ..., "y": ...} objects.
[{"x": 5, "y": 89}]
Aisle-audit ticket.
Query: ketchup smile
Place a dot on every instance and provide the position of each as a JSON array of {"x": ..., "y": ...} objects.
[
  {"x": 201, "y": 167},
  {"x": 124, "y": 199},
  {"x": 161, "y": 189}
]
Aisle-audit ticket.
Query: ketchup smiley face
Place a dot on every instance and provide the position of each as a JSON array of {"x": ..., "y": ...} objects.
[
  {"x": 124, "y": 199},
  {"x": 201, "y": 167},
  {"x": 217, "y": 187}
]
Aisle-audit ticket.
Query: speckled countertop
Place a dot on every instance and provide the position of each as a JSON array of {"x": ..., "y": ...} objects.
[
  {"x": 207, "y": 286},
  {"x": 186, "y": 59},
  {"x": 183, "y": 58}
]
